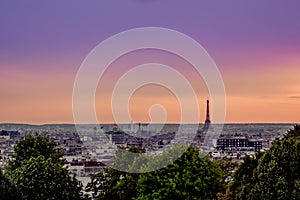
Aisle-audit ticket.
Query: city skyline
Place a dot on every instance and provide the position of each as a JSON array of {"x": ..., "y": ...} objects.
[{"x": 256, "y": 46}]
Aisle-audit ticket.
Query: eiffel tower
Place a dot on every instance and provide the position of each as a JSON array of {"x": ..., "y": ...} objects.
[
  {"x": 200, "y": 136},
  {"x": 207, "y": 120}
]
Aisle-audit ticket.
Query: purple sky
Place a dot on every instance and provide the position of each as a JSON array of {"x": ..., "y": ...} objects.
[
  {"x": 55, "y": 30},
  {"x": 49, "y": 37}
]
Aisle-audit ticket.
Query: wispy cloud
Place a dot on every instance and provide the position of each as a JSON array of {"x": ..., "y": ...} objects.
[{"x": 294, "y": 97}]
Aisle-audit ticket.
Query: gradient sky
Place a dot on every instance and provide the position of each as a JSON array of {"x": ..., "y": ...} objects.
[{"x": 255, "y": 44}]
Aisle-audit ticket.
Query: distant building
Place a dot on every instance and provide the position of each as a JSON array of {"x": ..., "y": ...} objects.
[
  {"x": 117, "y": 137},
  {"x": 84, "y": 167},
  {"x": 11, "y": 134},
  {"x": 230, "y": 143},
  {"x": 142, "y": 139},
  {"x": 91, "y": 167}
]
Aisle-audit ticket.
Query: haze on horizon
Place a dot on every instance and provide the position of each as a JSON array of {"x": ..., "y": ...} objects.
[{"x": 255, "y": 44}]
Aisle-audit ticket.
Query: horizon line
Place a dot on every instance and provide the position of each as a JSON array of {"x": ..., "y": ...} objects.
[{"x": 142, "y": 123}]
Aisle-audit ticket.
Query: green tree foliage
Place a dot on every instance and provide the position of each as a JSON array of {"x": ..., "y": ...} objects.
[
  {"x": 34, "y": 147},
  {"x": 243, "y": 177},
  {"x": 228, "y": 165},
  {"x": 272, "y": 175},
  {"x": 113, "y": 184},
  {"x": 278, "y": 172},
  {"x": 189, "y": 177},
  {"x": 37, "y": 171},
  {"x": 7, "y": 190},
  {"x": 44, "y": 178},
  {"x": 293, "y": 133}
]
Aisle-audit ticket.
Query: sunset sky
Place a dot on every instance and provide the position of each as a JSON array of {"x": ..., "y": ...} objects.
[{"x": 255, "y": 44}]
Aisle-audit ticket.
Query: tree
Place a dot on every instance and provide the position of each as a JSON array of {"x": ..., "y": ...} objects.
[
  {"x": 293, "y": 133},
  {"x": 272, "y": 175},
  {"x": 34, "y": 147},
  {"x": 114, "y": 184},
  {"x": 37, "y": 171},
  {"x": 243, "y": 177},
  {"x": 7, "y": 190},
  {"x": 228, "y": 166},
  {"x": 189, "y": 177},
  {"x": 43, "y": 178},
  {"x": 278, "y": 172}
]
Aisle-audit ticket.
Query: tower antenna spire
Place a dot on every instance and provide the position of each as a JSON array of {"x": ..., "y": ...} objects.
[{"x": 207, "y": 119}]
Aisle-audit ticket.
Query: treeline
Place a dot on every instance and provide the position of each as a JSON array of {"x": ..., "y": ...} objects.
[{"x": 37, "y": 172}]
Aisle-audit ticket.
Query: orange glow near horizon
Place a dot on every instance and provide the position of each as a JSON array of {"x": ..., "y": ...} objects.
[
  {"x": 254, "y": 44},
  {"x": 255, "y": 95}
]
